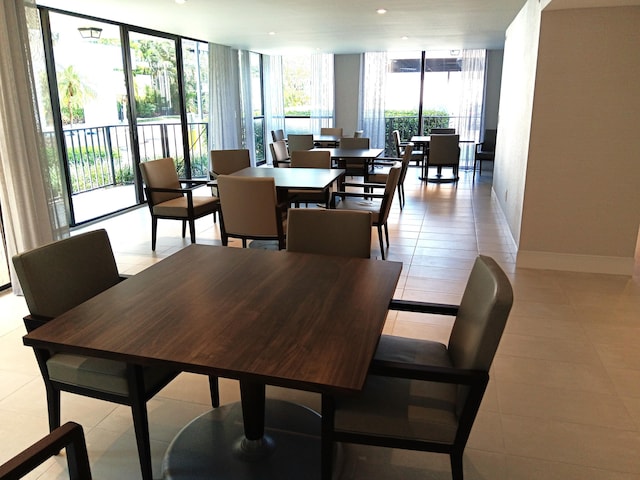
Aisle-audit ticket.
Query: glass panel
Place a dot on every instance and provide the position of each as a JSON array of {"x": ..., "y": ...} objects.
[
  {"x": 195, "y": 56},
  {"x": 257, "y": 107},
  {"x": 296, "y": 72},
  {"x": 93, "y": 100},
  {"x": 402, "y": 97},
  {"x": 442, "y": 87},
  {"x": 155, "y": 80}
]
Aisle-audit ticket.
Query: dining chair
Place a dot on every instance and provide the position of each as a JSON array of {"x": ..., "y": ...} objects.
[
  {"x": 358, "y": 133},
  {"x": 279, "y": 154},
  {"x": 309, "y": 159},
  {"x": 300, "y": 142},
  {"x": 444, "y": 151},
  {"x": 423, "y": 394},
  {"x": 277, "y": 135},
  {"x": 417, "y": 154},
  {"x": 379, "y": 204},
  {"x": 354, "y": 168},
  {"x": 485, "y": 150},
  {"x": 59, "y": 276},
  {"x": 344, "y": 233},
  {"x": 69, "y": 437},
  {"x": 330, "y": 131},
  {"x": 442, "y": 131},
  {"x": 250, "y": 210},
  {"x": 384, "y": 163},
  {"x": 168, "y": 199}
]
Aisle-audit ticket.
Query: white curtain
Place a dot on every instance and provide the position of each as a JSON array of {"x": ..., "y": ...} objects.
[
  {"x": 471, "y": 94},
  {"x": 322, "y": 92},
  {"x": 248, "y": 133},
  {"x": 374, "y": 79},
  {"x": 225, "y": 119},
  {"x": 273, "y": 86},
  {"x": 33, "y": 212}
]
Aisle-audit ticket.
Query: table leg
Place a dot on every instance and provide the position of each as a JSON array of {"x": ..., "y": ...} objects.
[{"x": 255, "y": 443}]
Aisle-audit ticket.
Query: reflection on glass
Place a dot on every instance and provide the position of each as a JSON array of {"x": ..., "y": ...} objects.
[{"x": 93, "y": 99}]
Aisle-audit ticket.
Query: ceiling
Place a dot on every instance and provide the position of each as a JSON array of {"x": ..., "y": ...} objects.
[{"x": 331, "y": 26}]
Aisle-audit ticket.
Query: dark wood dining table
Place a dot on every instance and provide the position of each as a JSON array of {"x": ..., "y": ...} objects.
[
  {"x": 361, "y": 156},
  {"x": 295, "y": 320}
]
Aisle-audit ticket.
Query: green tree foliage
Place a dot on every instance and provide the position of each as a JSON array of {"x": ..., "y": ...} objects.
[{"x": 73, "y": 92}]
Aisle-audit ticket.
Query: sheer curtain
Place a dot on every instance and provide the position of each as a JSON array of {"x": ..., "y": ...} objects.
[
  {"x": 273, "y": 93},
  {"x": 33, "y": 212},
  {"x": 247, "y": 126},
  {"x": 322, "y": 88},
  {"x": 374, "y": 79},
  {"x": 471, "y": 94},
  {"x": 225, "y": 119}
]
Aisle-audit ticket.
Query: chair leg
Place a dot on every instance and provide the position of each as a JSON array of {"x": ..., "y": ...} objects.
[
  {"x": 53, "y": 406},
  {"x": 154, "y": 233},
  {"x": 192, "y": 230},
  {"x": 386, "y": 234},
  {"x": 214, "y": 388},
  {"x": 456, "y": 465},
  {"x": 141, "y": 422},
  {"x": 184, "y": 228},
  {"x": 381, "y": 241}
]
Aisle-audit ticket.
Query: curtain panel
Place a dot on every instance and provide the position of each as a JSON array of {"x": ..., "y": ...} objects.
[
  {"x": 273, "y": 87},
  {"x": 322, "y": 92},
  {"x": 374, "y": 87},
  {"x": 31, "y": 191},
  {"x": 472, "y": 94}
]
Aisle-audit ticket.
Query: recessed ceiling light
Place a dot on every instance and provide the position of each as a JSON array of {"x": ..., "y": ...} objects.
[
  {"x": 405, "y": 38},
  {"x": 272, "y": 33},
  {"x": 180, "y": 2},
  {"x": 381, "y": 11}
]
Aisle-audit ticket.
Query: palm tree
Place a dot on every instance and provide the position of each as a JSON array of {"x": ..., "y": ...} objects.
[{"x": 73, "y": 91}]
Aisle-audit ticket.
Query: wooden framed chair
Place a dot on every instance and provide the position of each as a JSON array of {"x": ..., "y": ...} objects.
[
  {"x": 168, "y": 199},
  {"x": 226, "y": 162},
  {"x": 342, "y": 233},
  {"x": 416, "y": 155},
  {"x": 378, "y": 204},
  {"x": 59, "y": 276},
  {"x": 442, "y": 131},
  {"x": 444, "y": 152},
  {"x": 422, "y": 394},
  {"x": 310, "y": 159},
  {"x": 354, "y": 168},
  {"x": 330, "y": 131},
  {"x": 277, "y": 135},
  {"x": 250, "y": 210},
  {"x": 300, "y": 142},
  {"x": 279, "y": 154},
  {"x": 485, "y": 150},
  {"x": 381, "y": 177},
  {"x": 69, "y": 437},
  {"x": 358, "y": 133}
]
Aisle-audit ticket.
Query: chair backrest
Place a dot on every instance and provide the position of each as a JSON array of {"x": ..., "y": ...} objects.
[
  {"x": 444, "y": 150},
  {"x": 226, "y": 162},
  {"x": 279, "y": 153},
  {"x": 63, "y": 274},
  {"x": 389, "y": 190},
  {"x": 277, "y": 135},
  {"x": 345, "y": 233},
  {"x": 331, "y": 131},
  {"x": 481, "y": 317},
  {"x": 160, "y": 174},
  {"x": 406, "y": 158},
  {"x": 358, "y": 142},
  {"x": 300, "y": 142},
  {"x": 489, "y": 140},
  {"x": 358, "y": 133},
  {"x": 443, "y": 131},
  {"x": 310, "y": 159},
  {"x": 396, "y": 142},
  {"x": 248, "y": 205}
]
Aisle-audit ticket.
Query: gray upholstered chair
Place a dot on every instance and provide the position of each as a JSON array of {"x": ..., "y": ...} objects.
[
  {"x": 444, "y": 152},
  {"x": 279, "y": 154},
  {"x": 168, "y": 199},
  {"x": 442, "y": 131},
  {"x": 485, "y": 150},
  {"x": 423, "y": 394},
  {"x": 378, "y": 176},
  {"x": 70, "y": 437},
  {"x": 59, "y": 276},
  {"x": 250, "y": 210},
  {"x": 226, "y": 162},
  {"x": 300, "y": 142},
  {"x": 342, "y": 233},
  {"x": 277, "y": 135},
  {"x": 358, "y": 133},
  {"x": 379, "y": 204},
  {"x": 357, "y": 168},
  {"x": 416, "y": 155},
  {"x": 310, "y": 159},
  {"x": 330, "y": 131}
]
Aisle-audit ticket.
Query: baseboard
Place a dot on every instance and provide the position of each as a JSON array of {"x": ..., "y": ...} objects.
[{"x": 576, "y": 263}]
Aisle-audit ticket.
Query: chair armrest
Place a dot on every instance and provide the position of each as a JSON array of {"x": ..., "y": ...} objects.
[
  {"x": 428, "y": 373},
  {"x": 363, "y": 185},
  {"x": 423, "y": 307},
  {"x": 352, "y": 194},
  {"x": 69, "y": 436},
  {"x": 194, "y": 182}
]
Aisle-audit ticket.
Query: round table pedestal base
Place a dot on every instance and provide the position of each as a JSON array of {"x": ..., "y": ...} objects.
[{"x": 213, "y": 446}]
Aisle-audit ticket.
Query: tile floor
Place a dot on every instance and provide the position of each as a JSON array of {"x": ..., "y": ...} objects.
[{"x": 563, "y": 402}]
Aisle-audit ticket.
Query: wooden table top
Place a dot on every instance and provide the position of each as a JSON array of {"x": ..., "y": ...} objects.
[
  {"x": 362, "y": 153},
  {"x": 326, "y": 138},
  {"x": 296, "y": 320},
  {"x": 295, "y": 178}
]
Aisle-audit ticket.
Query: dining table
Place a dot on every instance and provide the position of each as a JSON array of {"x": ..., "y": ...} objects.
[
  {"x": 296, "y": 320},
  {"x": 363, "y": 157}
]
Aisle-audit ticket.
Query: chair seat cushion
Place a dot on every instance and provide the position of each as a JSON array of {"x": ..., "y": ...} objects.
[
  {"x": 403, "y": 408},
  {"x": 362, "y": 204},
  {"x": 100, "y": 374},
  {"x": 177, "y": 207}
]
